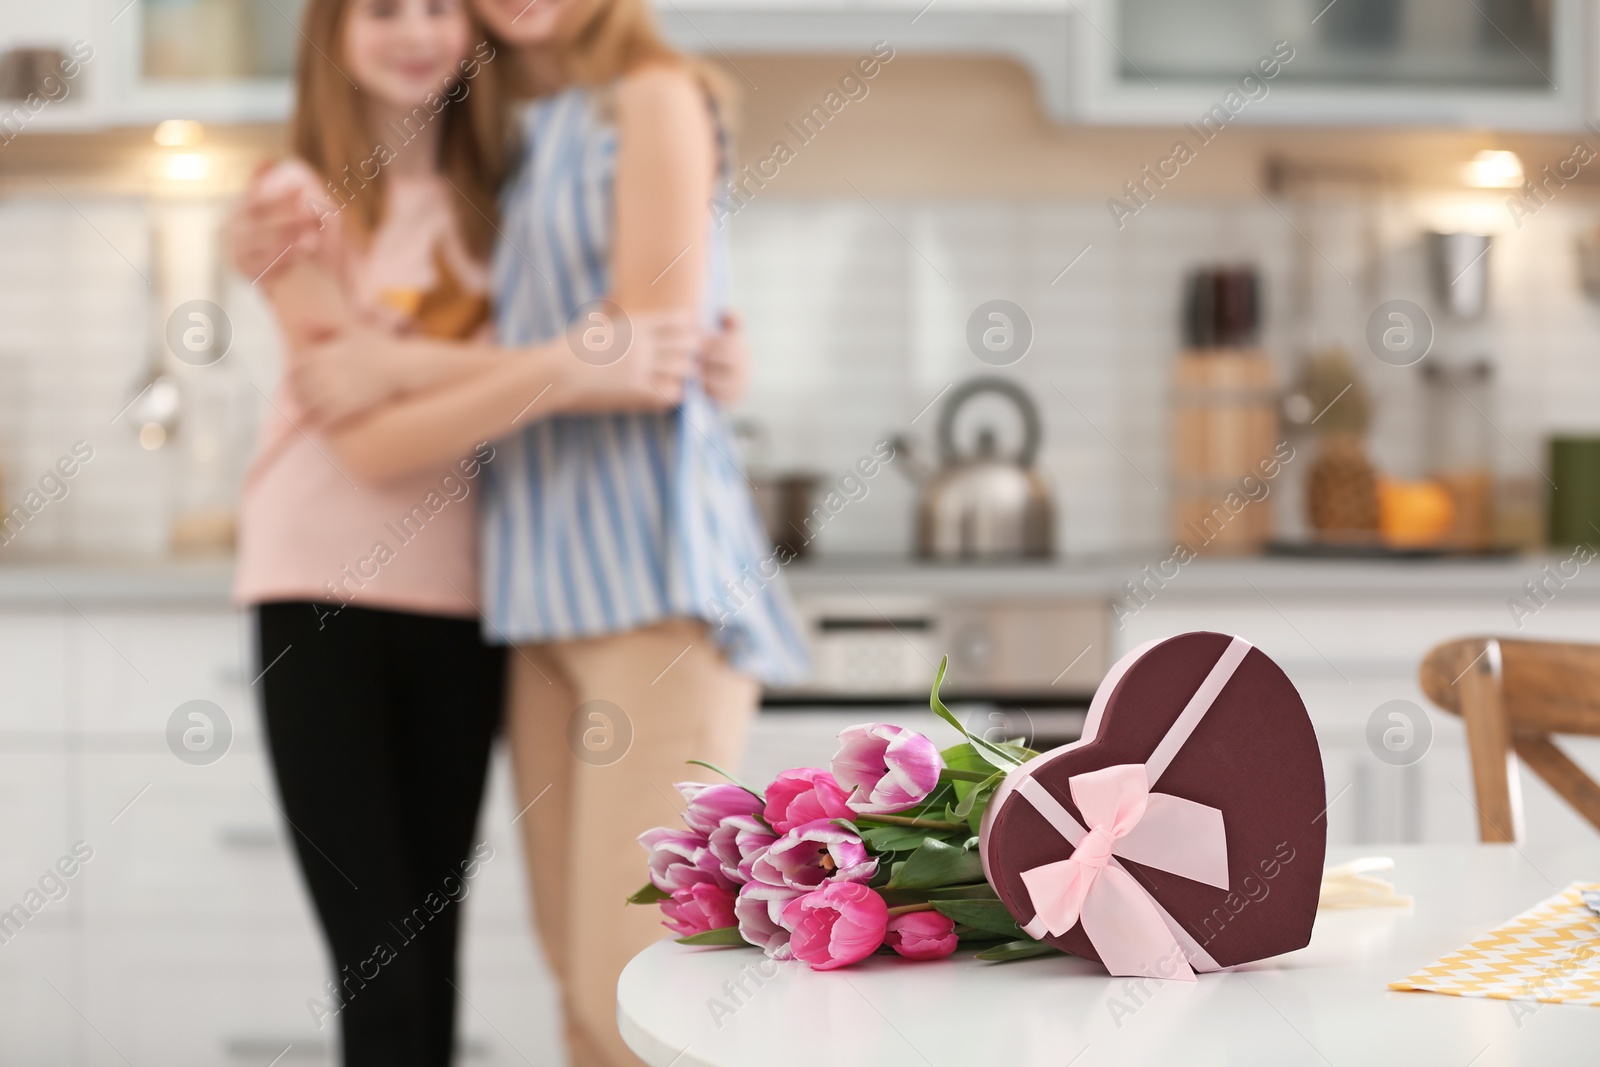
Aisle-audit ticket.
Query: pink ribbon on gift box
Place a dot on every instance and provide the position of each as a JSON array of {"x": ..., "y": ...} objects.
[{"x": 1129, "y": 929}]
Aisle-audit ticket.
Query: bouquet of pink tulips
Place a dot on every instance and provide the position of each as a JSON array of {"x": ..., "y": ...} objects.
[{"x": 828, "y": 866}]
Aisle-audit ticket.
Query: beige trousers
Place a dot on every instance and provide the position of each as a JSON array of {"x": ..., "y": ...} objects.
[{"x": 591, "y": 797}]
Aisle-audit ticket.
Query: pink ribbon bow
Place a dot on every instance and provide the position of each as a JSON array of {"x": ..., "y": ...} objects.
[{"x": 1132, "y": 935}]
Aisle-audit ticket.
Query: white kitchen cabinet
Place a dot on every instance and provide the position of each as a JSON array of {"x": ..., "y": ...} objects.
[
  {"x": 1379, "y": 62},
  {"x": 62, "y": 24},
  {"x": 28, "y": 23},
  {"x": 33, "y": 667},
  {"x": 212, "y": 60},
  {"x": 37, "y": 791},
  {"x": 202, "y": 842},
  {"x": 188, "y": 937},
  {"x": 135, "y": 667},
  {"x": 203, "y": 993},
  {"x": 226, "y": 60},
  {"x": 42, "y": 979}
]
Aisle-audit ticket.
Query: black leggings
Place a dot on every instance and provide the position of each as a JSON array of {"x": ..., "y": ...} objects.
[{"x": 379, "y": 724}]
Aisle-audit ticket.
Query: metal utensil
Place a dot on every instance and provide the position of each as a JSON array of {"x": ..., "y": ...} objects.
[
  {"x": 979, "y": 504},
  {"x": 1460, "y": 267},
  {"x": 156, "y": 402}
]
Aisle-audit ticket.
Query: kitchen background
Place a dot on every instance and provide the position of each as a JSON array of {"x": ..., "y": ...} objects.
[
  {"x": 977, "y": 166},
  {"x": 858, "y": 267}
]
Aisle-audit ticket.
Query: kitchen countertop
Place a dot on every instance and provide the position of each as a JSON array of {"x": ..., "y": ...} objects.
[
  {"x": 202, "y": 583},
  {"x": 206, "y": 583},
  {"x": 1496, "y": 577}
]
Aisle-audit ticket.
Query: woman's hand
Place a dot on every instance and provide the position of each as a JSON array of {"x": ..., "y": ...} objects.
[
  {"x": 347, "y": 373},
  {"x": 725, "y": 364},
  {"x": 269, "y": 228},
  {"x": 663, "y": 348}
]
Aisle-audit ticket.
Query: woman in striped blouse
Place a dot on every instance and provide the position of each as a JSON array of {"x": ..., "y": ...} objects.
[{"x": 621, "y": 552}]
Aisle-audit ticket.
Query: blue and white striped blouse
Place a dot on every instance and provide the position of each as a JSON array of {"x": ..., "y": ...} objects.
[{"x": 597, "y": 524}]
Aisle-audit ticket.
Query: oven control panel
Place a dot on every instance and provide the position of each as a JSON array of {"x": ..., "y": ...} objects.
[{"x": 891, "y": 647}]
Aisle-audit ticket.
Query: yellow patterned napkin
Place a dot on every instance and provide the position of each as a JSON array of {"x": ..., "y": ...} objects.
[{"x": 1550, "y": 953}]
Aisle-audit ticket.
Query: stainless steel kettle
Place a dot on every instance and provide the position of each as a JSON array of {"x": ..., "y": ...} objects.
[{"x": 981, "y": 505}]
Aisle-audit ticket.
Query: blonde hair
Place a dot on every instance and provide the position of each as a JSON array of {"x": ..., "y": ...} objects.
[
  {"x": 329, "y": 132},
  {"x": 621, "y": 36}
]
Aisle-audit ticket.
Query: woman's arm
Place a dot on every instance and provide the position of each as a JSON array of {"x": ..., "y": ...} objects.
[
  {"x": 521, "y": 385},
  {"x": 274, "y": 238},
  {"x": 336, "y": 383},
  {"x": 310, "y": 303},
  {"x": 666, "y": 163},
  {"x": 665, "y": 167}
]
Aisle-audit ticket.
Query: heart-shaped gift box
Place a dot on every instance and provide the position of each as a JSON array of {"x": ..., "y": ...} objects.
[{"x": 1184, "y": 831}]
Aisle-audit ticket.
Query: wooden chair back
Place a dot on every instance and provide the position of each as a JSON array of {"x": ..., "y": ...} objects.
[{"x": 1512, "y": 695}]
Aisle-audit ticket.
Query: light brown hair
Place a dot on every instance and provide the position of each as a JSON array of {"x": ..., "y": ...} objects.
[
  {"x": 329, "y": 131},
  {"x": 622, "y": 36}
]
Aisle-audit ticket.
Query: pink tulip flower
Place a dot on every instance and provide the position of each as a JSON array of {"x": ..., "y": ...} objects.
[
  {"x": 759, "y": 909},
  {"x": 804, "y": 795},
  {"x": 699, "y": 908},
  {"x": 710, "y": 804},
  {"x": 837, "y": 925},
  {"x": 922, "y": 935},
  {"x": 680, "y": 859},
  {"x": 812, "y": 854},
  {"x": 886, "y": 768},
  {"x": 737, "y": 842}
]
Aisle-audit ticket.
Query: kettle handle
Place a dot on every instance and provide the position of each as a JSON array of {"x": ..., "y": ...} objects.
[{"x": 1032, "y": 431}]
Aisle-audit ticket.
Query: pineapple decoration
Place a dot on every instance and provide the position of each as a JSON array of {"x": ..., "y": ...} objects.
[{"x": 1343, "y": 494}]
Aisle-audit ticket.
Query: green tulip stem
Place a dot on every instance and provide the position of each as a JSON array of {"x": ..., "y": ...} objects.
[
  {"x": 921, "y": 824},
  {"x": 906, "y": 909}
]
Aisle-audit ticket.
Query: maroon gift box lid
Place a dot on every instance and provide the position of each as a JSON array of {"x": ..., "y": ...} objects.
[{"x": 1252, "y": 755}]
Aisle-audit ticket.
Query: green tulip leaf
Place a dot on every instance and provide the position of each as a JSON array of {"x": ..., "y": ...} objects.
[
  {"x": 898, "y": 897},
  {"x": 995, "y": 755},
  {"x": 951, "y": 774},
  {"x": 964, "y": 757},
  {"x": 990, "y": 916},
  {"x": 937, "y": 863},
  {"x": 1018, "y": 950},
  {"x": 649, "y": 894},
  {"x": 713, "y": 767},
  {"x": 976, "y": 891},
  {"x": 896, "y": 838},
  {"x": 724, "y": 935}
]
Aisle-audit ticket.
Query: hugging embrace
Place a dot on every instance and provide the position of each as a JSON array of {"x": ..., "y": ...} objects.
[{"x": 528, "y": 261}]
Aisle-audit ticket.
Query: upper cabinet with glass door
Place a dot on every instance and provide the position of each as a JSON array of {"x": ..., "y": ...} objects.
[
  {"x": 1504, "y": 64},
  {"x": 216, "y": 60},
  {"x": 1516, "y": 64}
]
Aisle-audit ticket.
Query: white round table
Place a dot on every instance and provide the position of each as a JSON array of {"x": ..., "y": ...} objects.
[{"x": 1326, "y": 1004}]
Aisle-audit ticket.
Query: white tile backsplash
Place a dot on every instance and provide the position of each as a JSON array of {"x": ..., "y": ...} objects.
[
  {"x": 1106, "y": 331},
  {"x": 856, "y": 312}
]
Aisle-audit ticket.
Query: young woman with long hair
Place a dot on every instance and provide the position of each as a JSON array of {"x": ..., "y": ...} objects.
[
  {"x": 612, "y": 544},
  {"x": 380, "y": 697}
]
